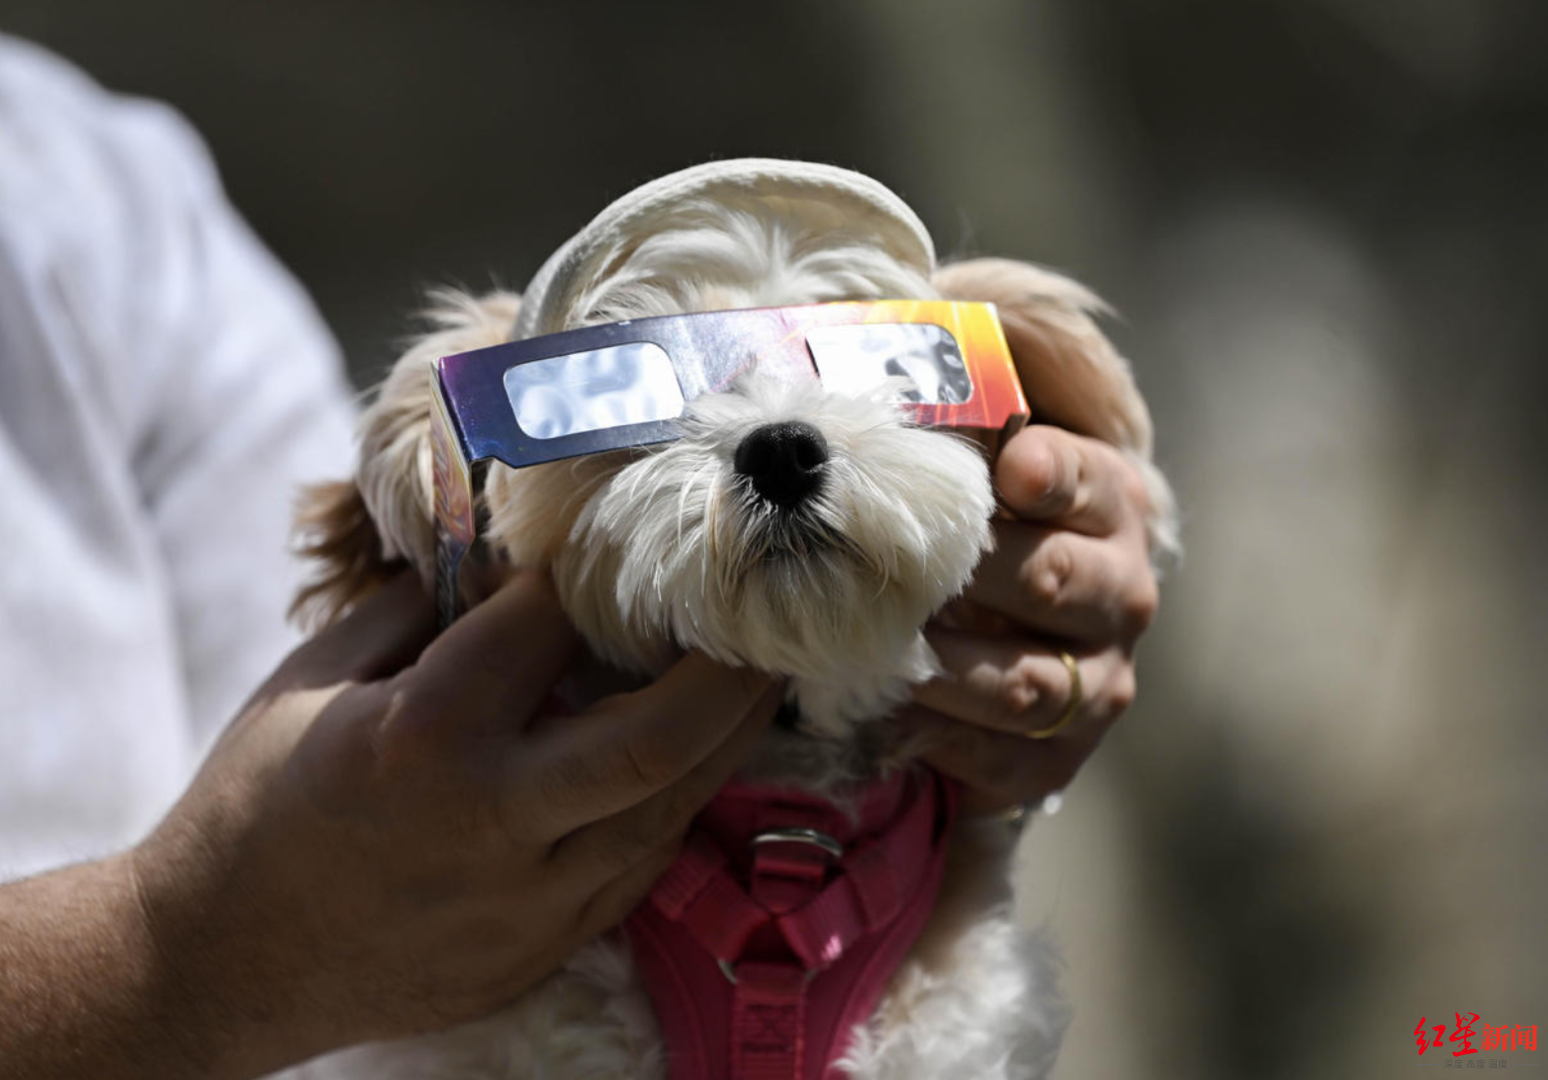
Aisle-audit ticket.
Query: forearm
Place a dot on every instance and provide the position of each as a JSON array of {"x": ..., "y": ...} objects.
[{"x": 85, "y": 989}]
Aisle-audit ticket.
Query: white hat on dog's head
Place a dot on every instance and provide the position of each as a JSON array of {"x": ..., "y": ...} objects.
[{"x": 576, "y": 266}]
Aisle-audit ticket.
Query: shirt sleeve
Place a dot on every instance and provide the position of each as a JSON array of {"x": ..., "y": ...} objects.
[{"x": 222, "y": 383}]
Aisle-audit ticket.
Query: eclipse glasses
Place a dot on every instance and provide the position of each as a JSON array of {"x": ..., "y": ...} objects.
[{"x": 627, "y": 384}]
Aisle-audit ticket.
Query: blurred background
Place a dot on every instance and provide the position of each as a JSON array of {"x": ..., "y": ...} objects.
[{"x": 1324, "y": 223}]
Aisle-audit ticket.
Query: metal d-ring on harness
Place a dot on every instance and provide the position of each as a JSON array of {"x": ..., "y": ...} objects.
[
  {"x": 800, "y": 836},
  {"x": 793, "y": 836}
]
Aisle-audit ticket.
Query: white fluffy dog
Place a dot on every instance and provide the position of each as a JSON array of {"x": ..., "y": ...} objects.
[{"x": 821, "y": 566}]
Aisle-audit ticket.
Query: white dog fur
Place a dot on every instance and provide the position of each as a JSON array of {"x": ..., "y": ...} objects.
[{"x": 662, "y": 549}]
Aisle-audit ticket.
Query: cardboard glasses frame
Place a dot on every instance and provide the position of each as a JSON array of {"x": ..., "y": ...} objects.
[{"x": 626, "y": 384}]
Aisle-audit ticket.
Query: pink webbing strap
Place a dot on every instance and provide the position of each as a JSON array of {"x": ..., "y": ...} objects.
[
  {"x": 809, "y": 941},
  {"x": 768, "y": 1022}
]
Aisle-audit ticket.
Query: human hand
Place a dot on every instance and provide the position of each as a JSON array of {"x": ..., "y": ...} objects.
[
  {"x": 391, "y": 840},
  {"x": 1071, "y": 574}
]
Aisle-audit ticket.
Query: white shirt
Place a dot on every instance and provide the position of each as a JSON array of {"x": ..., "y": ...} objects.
[{"x": 165, "y": 387}]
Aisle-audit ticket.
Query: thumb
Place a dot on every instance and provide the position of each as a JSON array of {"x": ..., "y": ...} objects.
[{"x": 380, "y": 636}]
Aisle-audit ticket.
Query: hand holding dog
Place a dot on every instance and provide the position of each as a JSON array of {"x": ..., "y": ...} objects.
[
  {"x": 1071, "y": 572},
  {"x": 391, "y": 838}
]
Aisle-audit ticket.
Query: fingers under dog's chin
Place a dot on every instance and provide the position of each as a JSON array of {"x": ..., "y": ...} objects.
[
  {"x": 1066, "y": 584},
  {"x": 1008, "y": 684},
  {"x": 997, "y": 771}
]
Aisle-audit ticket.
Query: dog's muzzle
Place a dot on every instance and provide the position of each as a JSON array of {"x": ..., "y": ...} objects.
[{"x": 783, "y": 462}]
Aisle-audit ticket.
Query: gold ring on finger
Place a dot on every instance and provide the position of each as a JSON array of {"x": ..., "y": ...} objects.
[{"x": 1070, "y": 707}]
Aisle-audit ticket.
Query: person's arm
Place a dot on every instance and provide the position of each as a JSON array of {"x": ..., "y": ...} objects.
[
  {"x": 80, "y": 993},
  {"x": 390, "y": 838}
]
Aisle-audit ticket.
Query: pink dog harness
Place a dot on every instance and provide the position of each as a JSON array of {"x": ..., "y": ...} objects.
[{"x": 776, "y": 930}]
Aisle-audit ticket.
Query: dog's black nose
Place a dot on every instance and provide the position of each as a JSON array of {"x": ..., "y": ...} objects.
[{"x": 783, "y": 462}]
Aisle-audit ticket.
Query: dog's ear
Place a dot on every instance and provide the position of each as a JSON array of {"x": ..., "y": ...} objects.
[
  {"x": 1072, "y": 375},
  {"x": 335, "y": 534},
  {"x": 361, "y": 531}
]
